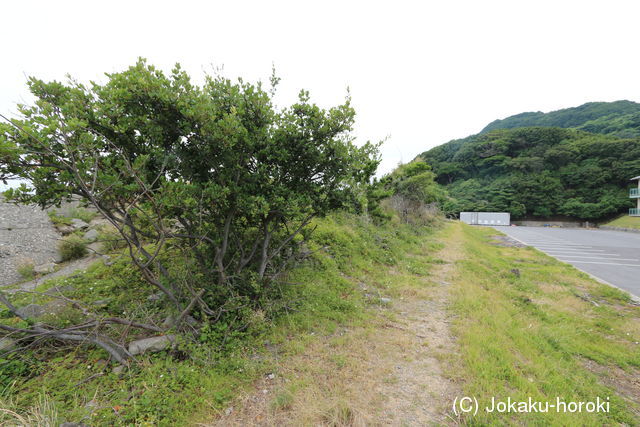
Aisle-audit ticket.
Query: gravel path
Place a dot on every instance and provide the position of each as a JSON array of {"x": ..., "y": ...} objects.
[{"x": 26, "y": 234}]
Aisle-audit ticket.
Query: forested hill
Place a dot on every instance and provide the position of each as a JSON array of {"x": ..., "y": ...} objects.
[
  {"x": 619, "y": 118},
  {"x": 538, "y": 172}
]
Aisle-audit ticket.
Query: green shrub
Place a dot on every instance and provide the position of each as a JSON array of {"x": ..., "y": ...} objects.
[
  {"x": 72, "y": 247},
  {"x": 10, "y": 370},
  {"x": 111, "y": 240},
  {"x": 58, "y": 220},
  {"x": 25, "y": 269},
  {"x": 81, "y": 213}
]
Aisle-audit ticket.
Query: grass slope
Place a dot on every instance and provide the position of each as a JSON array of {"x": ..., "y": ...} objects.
[
  {"x": 625, "y": 221},
  {"x": 531, "y": 326},
  {"x": 75, "y": 384}
]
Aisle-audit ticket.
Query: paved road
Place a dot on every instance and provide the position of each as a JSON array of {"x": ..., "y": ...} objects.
[{"x": 613, "y": 256}]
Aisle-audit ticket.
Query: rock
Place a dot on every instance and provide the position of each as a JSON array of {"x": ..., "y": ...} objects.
[
  {"x": 57, "y": 257},
  {"x": 99, "y": 221},
  {"x": 106, "y": 260},
  {"x": 31, "y": 311},
  {"x": 92, "y": 404},
  {"x": 65, "y": 229},
  {"x": 79, "y": 224},
  {"x": 44, "y": 268},
  {"x": 118, "y": 370},
  {"x": 155, "y": 297},
  {"x": 94, "y": 248},
  {"x": 7, "y": 344},
  {"x": 168, "y": 322},
  {"x": 153, "y": 344},
  {"x": 91, "y": 235},
  {"x": 384, "y": 300}
]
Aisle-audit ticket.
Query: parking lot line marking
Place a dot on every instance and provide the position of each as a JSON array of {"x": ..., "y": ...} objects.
[
  {"x": 569, "y": 250},
  {"x": 559, "y": 253},
  {"x": 588, "y": 251},
  {"x": 612, "y": 259},
  {"x": 573, "y": 248},
  {"x": 556, "y": 244},
  {"x": 606, "y": 263}
]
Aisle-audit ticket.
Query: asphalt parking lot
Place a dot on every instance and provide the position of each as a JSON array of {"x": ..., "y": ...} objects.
[{"x": 612, "y": 256}]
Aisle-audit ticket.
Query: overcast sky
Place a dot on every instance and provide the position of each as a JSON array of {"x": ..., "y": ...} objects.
[{"x": 421, "y": 73}]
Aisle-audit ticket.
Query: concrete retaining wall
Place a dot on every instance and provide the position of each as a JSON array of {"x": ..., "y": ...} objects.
[{"x": 568, "y": 224}]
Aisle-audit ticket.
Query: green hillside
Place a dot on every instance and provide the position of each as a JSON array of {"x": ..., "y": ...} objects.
[
  {"x": 538, "y": 172},
  {"x": 619, "y": 118}
]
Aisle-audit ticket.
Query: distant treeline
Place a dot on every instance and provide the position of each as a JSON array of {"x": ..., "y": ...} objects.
[
  {"x": 619, "y": 118},
  {"x": 537, "y": 172}
]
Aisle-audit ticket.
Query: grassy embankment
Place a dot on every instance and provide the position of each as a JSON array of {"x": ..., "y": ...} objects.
[
  {"x": 531, "y": 326},
  {"x": 54, "y": 385},
  {"x": 525, "y": 324},
  {"x": 625, "y": 221}
]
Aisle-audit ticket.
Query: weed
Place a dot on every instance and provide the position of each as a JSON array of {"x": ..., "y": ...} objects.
[
  {"x": 72, "y": 247},
  {"x": 58, "y": 220},
  {"x": 84, "y": 214},
  {"x": 282, "y": 401},
  {"x": 110, "y": 240},
  {"x": 25, "y": 269}
]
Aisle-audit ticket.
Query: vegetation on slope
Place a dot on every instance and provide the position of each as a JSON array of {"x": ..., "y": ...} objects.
[
  {"x": 220, "y": 200},
  {"x": 625, "y": 221},
  {"x": 172, "y": 388},
  {"x": 539, "y": 172},
  {"x": 532, "y": 326},
  {"x": 215, "y": 175},
  {"x": 619, "y": 118}
]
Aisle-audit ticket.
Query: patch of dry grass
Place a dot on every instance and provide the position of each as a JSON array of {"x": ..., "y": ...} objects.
[{"x": 387, "y": 371}]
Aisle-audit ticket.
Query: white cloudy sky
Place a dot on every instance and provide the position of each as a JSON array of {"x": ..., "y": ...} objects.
[{"x": 421, "y": 72}]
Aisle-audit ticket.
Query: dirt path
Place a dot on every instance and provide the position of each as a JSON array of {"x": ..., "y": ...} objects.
[{"x": 391, "y": 373}]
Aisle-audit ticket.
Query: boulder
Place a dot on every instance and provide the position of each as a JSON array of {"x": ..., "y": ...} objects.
[
  {"x": 57, "y": 257},
  {"x": 65, "y": 229},
  {"x": 31, "y": 311},
  {"x": 153, "y": 344},
  {"x": 95, "y": 247},
  {"x": 44, "y": 268},
  {"x": 79, "y": 224},
  {"x": 169, "y": 320},
  {"x": 91, "y": 235},
  {"x": 156, "y": 297}
]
